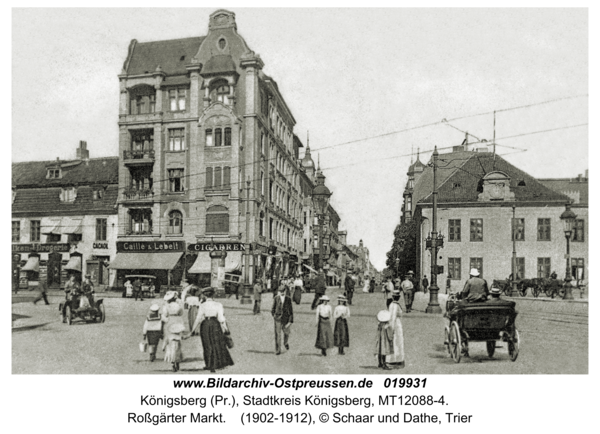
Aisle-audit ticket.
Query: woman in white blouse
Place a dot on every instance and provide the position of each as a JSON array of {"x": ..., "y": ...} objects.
[
  {"x": 341, "y": 313},
  {"x": 211, "y": 321},
  {"x": 324, "y": 333}
]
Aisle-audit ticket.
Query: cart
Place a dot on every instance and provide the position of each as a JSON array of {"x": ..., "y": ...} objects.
[
  {"x": 148, "y": 282},
  {"x": 70, "y": 311}
]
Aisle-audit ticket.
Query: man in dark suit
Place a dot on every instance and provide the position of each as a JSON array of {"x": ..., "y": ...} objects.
[
  {"x": 283, "y": 314},
  {"x": 320, "y": 287},
  {"x": 349, "y": 285}
]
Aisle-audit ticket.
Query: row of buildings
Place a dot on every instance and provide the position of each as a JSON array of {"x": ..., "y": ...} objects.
[
  {"x": 208, "y": 160},
  {"x": 484, "y": 203}
]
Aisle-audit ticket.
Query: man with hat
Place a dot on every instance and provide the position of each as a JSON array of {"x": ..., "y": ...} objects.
[
  {"x": 320, "y": 287},
  {"x": 349, "y": 286},
  {"x": 408, "y": 289},
  {"x": 88, "y": 289},
  {"x": 476, "y": 289},
  {"x": 137, "y": 289},
  {"x": 283, "y": 314}
]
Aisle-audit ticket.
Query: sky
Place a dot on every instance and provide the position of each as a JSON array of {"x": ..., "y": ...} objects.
[{"x": 371, "y": 85}]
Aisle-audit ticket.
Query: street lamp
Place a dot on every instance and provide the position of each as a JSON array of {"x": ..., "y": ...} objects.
[
  {"x": 568, "y": 218},
  {"x": 434, "y": 242},
  {"x": 320, "y": 200}
]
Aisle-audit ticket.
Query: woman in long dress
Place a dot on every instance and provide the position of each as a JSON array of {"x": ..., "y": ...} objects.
[
  {"x": 172, "y": 314},
  {"x": 211, "y": 320},
  {"x": 396, "y": 359},
  {"x": 324, "y": 333},
  {"x": 341, "y": 338}
]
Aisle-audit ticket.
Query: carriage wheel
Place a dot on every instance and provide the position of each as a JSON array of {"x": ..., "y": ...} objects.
[
  {"x": 68, "y": 315},
  {"x": 101, "y": 316},
  {"x": 491, "y": 348},
  {"x": 447, "y": 339},
  {"x": 513, "y": 346},
  {"x": 454, "y": 342}
]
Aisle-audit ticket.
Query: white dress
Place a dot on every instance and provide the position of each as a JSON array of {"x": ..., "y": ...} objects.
[
  {"x": 396, "y": 325},
  {"x": 366, "y": 287}
]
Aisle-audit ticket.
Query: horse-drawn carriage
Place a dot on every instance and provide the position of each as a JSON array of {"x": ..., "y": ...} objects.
[
  {"x": 147, "y": 288},
  {"x": 489, "y": 321},
  {"x": 550, "y": 287}
]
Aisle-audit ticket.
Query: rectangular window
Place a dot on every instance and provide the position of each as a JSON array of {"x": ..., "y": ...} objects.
[
  {"x": 177, "y": 139},
  {"x": 141, "y": 106},
  {"x": 217, "y": 223},
  {"x": 35, "y": 231},
  {"x": 543, "y": 268},
  {"x": 53, "y": 238},
  {"x": 544, "y": 230},
  {"x": 578, "y": 228},
  {"x": 226, "y": 177},
  {"x": 476, "y": 229},
  {"x": 262, "y": 182},
  {"x": 218, "y": 137},
  {"x": 175, "y": 180},
  {"x": 142, "y": 140},
  {"x": 152, "y": 103},
  {"x": 262, "y": 143},
  {"x": 261, "y": 224},
  {"x": 520, "y": 268},
  {"x": 270, "y": 228},
  {"x": 209, "y": 137},
  {"x": 227, "y": 137},
  {"x": 100, "y": 229},
  {"x": 140, "y": 221},
  {"x": 75, "y": 238},
  {"x": 53, "y": 174},
  {"x": 577, "y": 268},
  {"x": 16, "y": 232},
  {"x": 476, "y": 263},
  {"x": 209, "y": 177},
  {"x": 217, "y": 172},
  {"x": 305, "y": 245},
  {"x": 518, "y": 229},
  {"x": 177, "y": 100},
  {"x": 454, "y": 268},
  {"x": 454, "y": 230}
]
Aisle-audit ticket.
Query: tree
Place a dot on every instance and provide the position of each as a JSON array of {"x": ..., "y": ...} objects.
[{"x": 403, "y": 248}]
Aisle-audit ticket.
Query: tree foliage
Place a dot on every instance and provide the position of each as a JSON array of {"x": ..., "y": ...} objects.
[{"x": 403, "y": 248}]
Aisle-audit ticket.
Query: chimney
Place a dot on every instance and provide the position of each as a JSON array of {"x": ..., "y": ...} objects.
[{"x": 82, "y": 152}]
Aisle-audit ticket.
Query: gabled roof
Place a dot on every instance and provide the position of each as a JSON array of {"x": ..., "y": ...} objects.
[
  {"x": 575, "y": 188},
  {"x": 74, "y": 172},
  {"x": 459, "y": 181},
  {"x": 172, "y": 56}
]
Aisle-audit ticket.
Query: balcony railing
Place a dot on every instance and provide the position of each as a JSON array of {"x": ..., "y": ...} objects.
[
  {"x": 144, "y": 154},
  {"x": 138, "y": 194},
  {"x": 139, "y": 229}
]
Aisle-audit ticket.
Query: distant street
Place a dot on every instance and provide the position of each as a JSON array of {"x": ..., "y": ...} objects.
[{"x": 554, "y": 340}]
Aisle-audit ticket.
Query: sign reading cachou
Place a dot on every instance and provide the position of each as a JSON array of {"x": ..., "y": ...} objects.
[{"x": 149, "y": 246}]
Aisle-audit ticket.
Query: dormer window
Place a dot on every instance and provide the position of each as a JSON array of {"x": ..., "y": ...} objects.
[
  {"x": 68, "y": 194},
  {"x": 53, "y": 174}
]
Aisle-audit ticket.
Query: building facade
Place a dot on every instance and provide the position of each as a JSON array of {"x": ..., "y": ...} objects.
[{"x": 64, "y": 220}]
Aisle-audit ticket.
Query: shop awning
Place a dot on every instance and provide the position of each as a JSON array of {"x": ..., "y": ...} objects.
[
  {"x": 201, "y": 265},
  {"x": 310, "y": 268},
  {"x": 70, "y": 225},
  {"x": 74, "y": 264},
  {"x": 51, "y": 225},
  {"x": 145, "y": 261},
  {"x": 233, "y": 262},
  {"x": 33, "y": 264}
]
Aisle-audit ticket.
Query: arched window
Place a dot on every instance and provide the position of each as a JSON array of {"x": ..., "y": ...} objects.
[
  {"x": 175, "y": 223},
  {"x": 220, "y": 92},
  {"x": 217, "y": 220},
  {"x": 142, "y": 100}
]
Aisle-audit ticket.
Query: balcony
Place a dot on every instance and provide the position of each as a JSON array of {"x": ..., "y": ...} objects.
[
  {"x": 139, "y": 229},
  {"x": 138, "y": 157},
  {"x": 137, "y": 195}
]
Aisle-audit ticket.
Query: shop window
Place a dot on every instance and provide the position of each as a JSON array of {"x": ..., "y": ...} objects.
[
  {"x": 53, "y": 174},
  {"x": 543, "y": 268},
  {"x": 175, "y": 180},
  {"x": 140, "y": 221},
  {"x": 101, "y": 225},
  {"x": 16, "y": 231},
  {"x": 217, "y": 220},
  {"x": 35, "y": 234},
  {"x": 578, "y": 228},
  {"x": 518, "y": 229},
  {"x": 543, "y": 231},
  {"x": 177, "y": 99},
  {"x": 177, "y": 139},
  {"x": 53, "y": 238},
  {"x": 175, "y": 223},
  {"x": 476, "y": 229},
  {"x": 476, "y": 263},
  {"x": 209, "y": 137},
  {"x": 454, "y": 230}
]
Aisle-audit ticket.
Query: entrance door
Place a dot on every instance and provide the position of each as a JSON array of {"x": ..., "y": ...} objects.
[{"x": 54, "y": 268}]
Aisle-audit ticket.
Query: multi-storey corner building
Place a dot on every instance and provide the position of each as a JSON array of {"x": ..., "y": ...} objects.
[
  {"x": 64, "y": 219},
  {"x": 204, "y": 132}
]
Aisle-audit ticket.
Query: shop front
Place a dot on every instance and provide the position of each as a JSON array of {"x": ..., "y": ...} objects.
[
  {"x": 40, "y": 263},
  {"x": 210, "y": 270},
  {"x": 161, "y": 259}
]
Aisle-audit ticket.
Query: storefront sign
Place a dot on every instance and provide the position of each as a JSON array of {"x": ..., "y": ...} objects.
[
  {"x": 100, "y": 245},
  {"x": 42, "y": 248},
  {"x": 209, "y": 247},
  {"x": 150, "y": 246}
]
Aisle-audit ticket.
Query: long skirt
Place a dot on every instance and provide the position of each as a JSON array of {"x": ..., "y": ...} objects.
[
  {"x": 341, "y": 337},
  {"x": 397, "y": 355},
  {"x": 153, "y": 336},
  {"x": 324, "y": 334},
  {"x": 216, "y": 354},
  {"x": 297, "y": 294},
  {"x": 173, "y": 353},
  {"x": 192, "y": 314}
]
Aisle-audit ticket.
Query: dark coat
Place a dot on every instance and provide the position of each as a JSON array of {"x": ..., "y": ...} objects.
[
  {"x": 476, "y": 289},
  {"x": 287, "y": 311},
  {"x": 319, "y": 284},
  {"x": 349, "y": 283}
]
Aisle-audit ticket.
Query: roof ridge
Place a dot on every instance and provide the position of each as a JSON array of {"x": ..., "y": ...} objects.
[
  {"x": 171, "y": 40},
  {"x": 450, "y": 176},
  {"x": 112, "y": 157}
]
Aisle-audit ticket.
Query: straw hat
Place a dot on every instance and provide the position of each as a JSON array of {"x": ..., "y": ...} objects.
[
  {"x": 495, "y": 290},
  {"x": 384, "y": 316},
  {"x": 154, "y": 308},
  {"x": 176, "y": 328},
  {"x": 170, "y": 295},
  {"x": 411, "y": 272},
  {"x": 474, "y": 272},
  {"x": 342, "y": 297},
  {"x": 324, "y": 298}
]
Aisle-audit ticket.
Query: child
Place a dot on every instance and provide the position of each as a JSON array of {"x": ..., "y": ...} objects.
[
  {"x": 153, "y": 331},
  {"x": 385, "y": 336},
  {"x": 173, "y": 354},
  {"x": 341, "y": 338}
]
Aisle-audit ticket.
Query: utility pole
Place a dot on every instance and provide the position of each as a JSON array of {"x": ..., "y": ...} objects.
[
  {"x": 246, "y": 299},
  {"x": 514, "y": 254},
  {"x": 434, "y": 305}
]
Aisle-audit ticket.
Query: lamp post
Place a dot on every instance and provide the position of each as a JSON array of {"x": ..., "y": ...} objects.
[
  {"x": 320, "y": 200},
  {"x": 246, "y": 298},
  {"x": 514, "y": 255},
  {"x": 568, "y": 218},
  {"x": 434, "y": 242}
]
